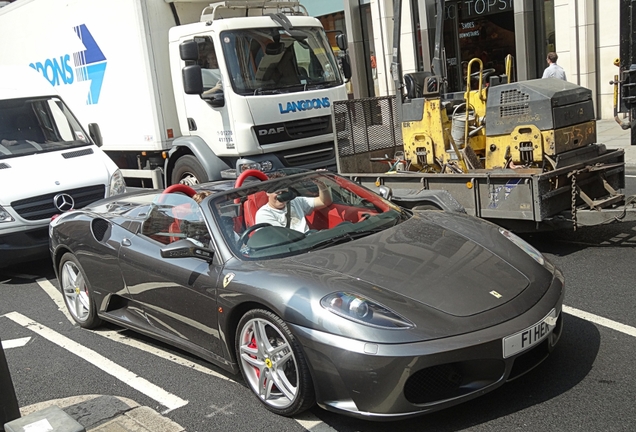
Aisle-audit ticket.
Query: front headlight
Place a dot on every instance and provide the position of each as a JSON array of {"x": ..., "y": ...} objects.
[
  {"x": 245, "y": 164},
  {"x": 5, "y": 216},
  {"x": 362, "y": 310},
  {"x": 524, "y": 245},
  {"x": 117, "y": 184}
]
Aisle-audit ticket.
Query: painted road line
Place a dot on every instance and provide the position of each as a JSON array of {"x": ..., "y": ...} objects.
[
  {"x": 307, "y": 419},
  {"x": 15, "y": 343},
  {"x": 56, "y": 296},
  {"x": 631, "y": 331},
  {"x": 631, "y": 176},
  {"x": 140, "y": 384}
]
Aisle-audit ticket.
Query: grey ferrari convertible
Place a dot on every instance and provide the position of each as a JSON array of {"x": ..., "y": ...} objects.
[{"x": 316, "y": 289}]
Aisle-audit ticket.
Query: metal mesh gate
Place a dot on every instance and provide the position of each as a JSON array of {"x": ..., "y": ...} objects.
[{"x": 364, "y": 129}]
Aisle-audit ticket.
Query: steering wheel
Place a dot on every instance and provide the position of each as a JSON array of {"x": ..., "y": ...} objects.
[
  {"x": 486, "y": 73},
  {"x": 185, "y": 189},
  {"x": 245, "y": 236},
  {"x": 250, "y": 173}
]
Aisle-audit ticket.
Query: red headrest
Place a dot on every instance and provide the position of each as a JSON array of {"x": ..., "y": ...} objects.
[{"x": 251, "y": 206}]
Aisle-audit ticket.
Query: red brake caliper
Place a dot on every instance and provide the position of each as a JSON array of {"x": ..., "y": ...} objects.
[{"x": 252, "y": 344}]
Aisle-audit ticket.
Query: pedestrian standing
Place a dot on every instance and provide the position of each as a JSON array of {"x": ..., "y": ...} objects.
[{"x": 553, "y": 70}]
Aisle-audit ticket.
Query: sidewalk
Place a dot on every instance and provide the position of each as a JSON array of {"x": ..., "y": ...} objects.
[
  {"x": 610, "y": 133},
  {"x": 108, "y": 414}
]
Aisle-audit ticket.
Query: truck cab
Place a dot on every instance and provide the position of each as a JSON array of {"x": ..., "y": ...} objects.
[{"x": 266, "y": 87}]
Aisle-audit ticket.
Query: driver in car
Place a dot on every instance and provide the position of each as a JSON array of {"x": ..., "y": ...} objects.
[{"x": 285, "y": 209}]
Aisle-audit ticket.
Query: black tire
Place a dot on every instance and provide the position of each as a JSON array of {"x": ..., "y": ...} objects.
[
  {"x": 189, "y": 171},
  {"x": 76, "y": 291},
  {"x": 287, "y": 388}
]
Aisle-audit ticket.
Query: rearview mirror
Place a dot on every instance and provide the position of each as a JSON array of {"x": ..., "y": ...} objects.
[
  {"x": 189, "y": 50},
  {"x": 192, "y": 80},
  {"x": 385, "y": 192},
  {"x": 341, "y": 41},
  {"x": 186, "y": 249},
  {"x": 95, "y": 133}
]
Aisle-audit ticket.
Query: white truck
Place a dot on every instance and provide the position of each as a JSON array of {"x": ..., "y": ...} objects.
[
  {"x": 48, "y": 164},
  {"x": 187, "y": 91}
]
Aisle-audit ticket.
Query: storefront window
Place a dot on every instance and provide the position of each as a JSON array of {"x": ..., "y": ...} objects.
[{"x": 477, "y": 29}]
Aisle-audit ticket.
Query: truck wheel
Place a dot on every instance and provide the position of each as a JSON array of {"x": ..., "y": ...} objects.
[{"x": 188, "y": 171}]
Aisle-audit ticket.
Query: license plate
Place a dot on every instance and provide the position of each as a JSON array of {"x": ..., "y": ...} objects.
[{"x": 529, "y": 337}]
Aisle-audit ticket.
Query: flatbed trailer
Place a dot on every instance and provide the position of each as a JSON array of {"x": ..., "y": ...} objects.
[{"x": 583, "y": 189}]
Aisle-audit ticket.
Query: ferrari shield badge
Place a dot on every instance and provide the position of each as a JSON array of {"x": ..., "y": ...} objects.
[{"x": 227, "y": 279}]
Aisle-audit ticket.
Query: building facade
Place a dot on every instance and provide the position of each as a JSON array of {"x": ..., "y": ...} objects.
[{"x": 584, "y": 34}]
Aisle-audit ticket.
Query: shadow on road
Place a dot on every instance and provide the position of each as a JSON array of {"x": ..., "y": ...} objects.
[
  {"x": 565, "y": 242},
  {"x": 27, "y": 272},
  {"x": 566, "y": 367}
]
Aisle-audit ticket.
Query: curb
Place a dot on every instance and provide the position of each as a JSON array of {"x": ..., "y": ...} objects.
[{"x": 103, "y": 413}]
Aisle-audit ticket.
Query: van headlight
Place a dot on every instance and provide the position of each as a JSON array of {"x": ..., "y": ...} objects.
[
  {"x": 5, "y": 216},
  {"x": 117, "y": 184}
]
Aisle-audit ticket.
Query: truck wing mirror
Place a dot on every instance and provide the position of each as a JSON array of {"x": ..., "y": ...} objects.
[
  {"x": 346, "y": 66},
  {"x": 192, "y": 80},
  {"x": 341, "y": 41},
  {"x": 189, "y": 50},
  {"x": 95, "y": 133}
]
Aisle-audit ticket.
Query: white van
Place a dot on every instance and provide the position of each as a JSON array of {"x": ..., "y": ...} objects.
[{"x": 48, "y": 164}]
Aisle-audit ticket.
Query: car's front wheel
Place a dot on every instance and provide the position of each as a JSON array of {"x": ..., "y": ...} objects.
[
  {"x": 272, "y": 363},
  {"x": 77, "y": 292}
]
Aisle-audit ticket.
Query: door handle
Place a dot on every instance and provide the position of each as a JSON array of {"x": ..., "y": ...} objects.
[{"x": 126, "y": 242}]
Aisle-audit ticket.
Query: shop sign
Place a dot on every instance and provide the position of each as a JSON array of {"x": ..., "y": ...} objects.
[{"x": 477, "y": 8}]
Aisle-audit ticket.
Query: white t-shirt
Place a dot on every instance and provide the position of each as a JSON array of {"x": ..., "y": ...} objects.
[
  {"x": 554, "y": 71},
  {"x": 299, "y": 206}
]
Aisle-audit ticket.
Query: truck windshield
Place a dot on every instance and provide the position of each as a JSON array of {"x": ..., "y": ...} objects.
[
  {"x": 271, "y": 60},
  {"x": 29, "y": 126}
]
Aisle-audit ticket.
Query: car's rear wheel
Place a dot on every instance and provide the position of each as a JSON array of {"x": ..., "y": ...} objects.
[
  {"x": 272, "y": 363},
  {"x": 77, "y": 292}
]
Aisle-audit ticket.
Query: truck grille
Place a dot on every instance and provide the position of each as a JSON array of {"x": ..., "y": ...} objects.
[
  {"x": 43, "y": 206},
  {"x": 309, "y": 127},
  {"x": 311, "y": 155}
]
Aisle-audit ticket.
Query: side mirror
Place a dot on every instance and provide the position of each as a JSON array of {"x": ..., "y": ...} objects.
[
  {"x": 186, "y": 249},
  {"x": 341, "y": 41},
  {"x": 189, "y": 50},
  {"x": 95, "y": 133},
  {"x": 385, "y": 192},
  {"x": 346, "y": 65},
  {"x": 192, "y": 80}
]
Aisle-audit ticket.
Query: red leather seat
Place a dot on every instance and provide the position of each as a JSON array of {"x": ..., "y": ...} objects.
[{"x": 251, "y": 206}]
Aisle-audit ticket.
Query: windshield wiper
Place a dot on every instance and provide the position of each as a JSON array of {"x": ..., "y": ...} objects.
[{"x": 343, "y": 238}]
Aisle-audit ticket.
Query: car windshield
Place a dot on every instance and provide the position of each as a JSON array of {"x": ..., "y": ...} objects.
[
  {"x": 272, "y": 60},
  {"x": 30, "y": 126},
  {"x": 300, "y": 213}
]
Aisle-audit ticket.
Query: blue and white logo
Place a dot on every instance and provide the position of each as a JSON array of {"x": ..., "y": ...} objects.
[
  {"x": 89, "y": 65},
  {"x": 304, "y": 105}
]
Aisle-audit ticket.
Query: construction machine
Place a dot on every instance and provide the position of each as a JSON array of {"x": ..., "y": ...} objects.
[{"x": 522, "y": 154}]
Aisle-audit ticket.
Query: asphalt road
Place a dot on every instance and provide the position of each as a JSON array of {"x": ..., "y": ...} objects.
[{"x": 587, "y": 384}]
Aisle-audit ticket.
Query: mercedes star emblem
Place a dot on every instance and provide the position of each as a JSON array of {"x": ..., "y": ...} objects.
[{"x": 64, "y": 202}]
